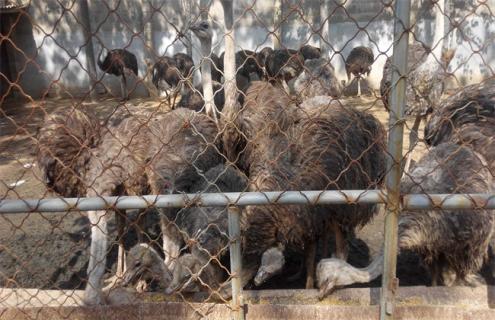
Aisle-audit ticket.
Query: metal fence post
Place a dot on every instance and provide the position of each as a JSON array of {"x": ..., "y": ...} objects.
[
  {"x": 394, "y": 167},
  {"x": 235, "y": 262}
]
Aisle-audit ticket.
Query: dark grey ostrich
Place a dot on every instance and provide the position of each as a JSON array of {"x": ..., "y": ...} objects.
[
  {"x": 317, "y": 79},
  {"x": 205, "y": 233},
  {"x": 173, "y": 73},
  {"x": 308, "y": 155},
  {"x": 452, "y": 243},
  {"x": 118, "y": 62},
  {"x": 358, "y": 63}
]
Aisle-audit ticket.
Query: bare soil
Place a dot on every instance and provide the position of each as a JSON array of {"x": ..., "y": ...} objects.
[{"x": 51, "y": 250}]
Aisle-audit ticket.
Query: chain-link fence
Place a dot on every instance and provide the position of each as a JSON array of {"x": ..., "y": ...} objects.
[{"x": 199, "y": 149}]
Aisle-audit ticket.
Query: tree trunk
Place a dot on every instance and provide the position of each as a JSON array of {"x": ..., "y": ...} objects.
[{"x": 89, "y": 48}]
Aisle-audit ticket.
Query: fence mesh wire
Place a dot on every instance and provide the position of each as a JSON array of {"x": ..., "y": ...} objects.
[{"x": 126, "y": 98}]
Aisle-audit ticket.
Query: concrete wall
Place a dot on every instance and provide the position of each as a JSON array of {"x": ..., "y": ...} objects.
[{"x": 52, "y": 54}]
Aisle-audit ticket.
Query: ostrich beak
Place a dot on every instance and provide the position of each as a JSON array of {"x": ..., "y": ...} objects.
[
  {"x": 326, "y": 288},
  {"x": 194, "y": 27},
  {"x": 261, "y": 277},
  {"x": 130, "y": 275}
]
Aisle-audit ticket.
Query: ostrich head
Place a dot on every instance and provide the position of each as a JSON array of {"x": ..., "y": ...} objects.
[
  {"x": 332, "y": 273},
  {"x": 272, "y": 262},
  {"x": 103, "y": 52},
  {"x": 144, "y": 263},
  {"x": 202, "y": 30}
]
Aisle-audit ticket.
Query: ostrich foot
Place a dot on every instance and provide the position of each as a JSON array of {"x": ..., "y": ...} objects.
[
  {"x": 112, "y": 282},
  {"x": 142, "y": 286},
  {"x": 93, "y": 297}
]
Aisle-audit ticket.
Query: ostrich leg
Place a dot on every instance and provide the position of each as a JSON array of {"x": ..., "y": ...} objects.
[
  {"x": 413, "y": 140},
  {"x": 171, "y": 241},
  {"x": 310, "y": 266},
  {"x": 123, "y": 87},
  {"x": 114, "y": 281},
  {"x": 121, "y": 223},
  {"x": 340, "y": 243},
  {"x": 98, "y": 251},
  {"x": 359, "y": 85}
]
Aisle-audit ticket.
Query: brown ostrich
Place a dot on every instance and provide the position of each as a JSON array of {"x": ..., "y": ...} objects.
[
  {"x": 310, "y": 156},
  {"x": 358, "y": 63}
]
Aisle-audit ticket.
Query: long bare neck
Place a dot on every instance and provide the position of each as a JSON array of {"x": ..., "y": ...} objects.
[
  {"x": 229, "y": 58},
  {"x": 371, "y": 272},
  {"x": 439, "y": 36},
  {"x": 206, "y": 81}
]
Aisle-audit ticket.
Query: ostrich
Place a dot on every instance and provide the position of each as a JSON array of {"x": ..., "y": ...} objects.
[
  {"x": 451, "y": 243},
  {"x": 204, "y": 33},
  {"x": 204, "y": 230},
  {"x": 358, "y": 63},
  {"x": 425, "y": 83},
  {"x": 118, "y": 62},
  {"x": 173, "y": 73},
  {"x": 416, "y": 55},
  {"x": 283, "y": 65},
  {"x": 317, "y": 79},
  {"x": 308, "y": 156},
  {"x": 130, "y": 156}
]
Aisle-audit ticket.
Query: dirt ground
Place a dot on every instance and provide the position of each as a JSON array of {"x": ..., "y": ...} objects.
[{"x": 50, "y": 250}]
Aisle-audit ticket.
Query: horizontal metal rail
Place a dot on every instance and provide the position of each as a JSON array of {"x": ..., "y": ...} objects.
[{"x": 410, "y": 201}]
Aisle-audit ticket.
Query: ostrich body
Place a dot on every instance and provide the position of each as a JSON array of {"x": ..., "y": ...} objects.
[
  {"x": 466, "y": 118},
  {"x": 310, "y": 156},
  {"x": 317, "y": 79},
  {"x": 193, "y": 98},
  {"x": 173, "y": 73},
  {"x": 452, "y": 243},
  {"x": 358, "y": 63},
  {"x": 265, "y": 106},
  {"x": 247, "y": 64},
  {"x": 118, "y": 62}
]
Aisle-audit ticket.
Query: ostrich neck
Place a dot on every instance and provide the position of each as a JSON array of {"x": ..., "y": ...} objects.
[
  {"x": 371, "y": 272},
  {"x": 229, "y": 58},
  {"x": 206, "y": 81},
  {"x": 438, "y": 38}
]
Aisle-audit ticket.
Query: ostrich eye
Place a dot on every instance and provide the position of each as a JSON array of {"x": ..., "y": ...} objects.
[
  {"x": 137, "y": 264},
  {"x": 204, "y": 25}
]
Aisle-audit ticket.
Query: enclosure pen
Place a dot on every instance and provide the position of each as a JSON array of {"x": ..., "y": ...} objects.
[{"x": 146, "y": 174}]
